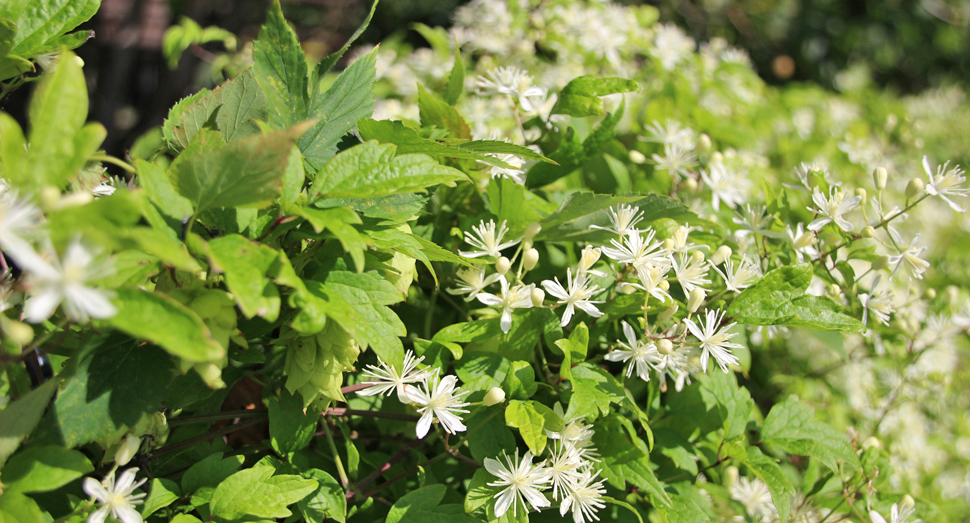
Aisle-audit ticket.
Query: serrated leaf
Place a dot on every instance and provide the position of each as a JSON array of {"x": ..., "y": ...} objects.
[
  {"x": 209, "y": 472},
  {"x": 778, "y": 484},
  {"x": 257, "y": 492},
  {"x": 593, "y": 391},
  {"x": 734, "y": 402},
  {"x": 573, "y": 349},
  {"x": 350, "y": 98},
  {"x": 42, "y": 469},
  {"x": 39, "y": 22},
  {"x": 531, "y": 418},
  {"x": 456, "y": 79},
  {"x": 20, "y": 417},
  {"x": 373, "y": 170},
  {"x": 500, "y": 147},
  {"x": 290, "y": 427},
  {"x": 684, "y": 510},
  {"x": 165, "y": 322},
  {"x": 789, "y": 425},
  {"x": 246, "y": 173},
  {"x": 163, "y": 492},
  {"x": 237, "y": 104},
  {"x": 515, "y": 205},
  {"x": 625, "y": 459},
  {"x": 280, "y": 68},
  {"x": 339, "y": 221},
  {"x": 327, "y": 63},
  {"x": 245, "y": 264},
  {"x": 328, "y": 501},
  {"x": 409, "y": 141},
  {"x": 436, "y": 112},
  {"x": 398, "y": 208},
  {"x": 581, "y": 96}
]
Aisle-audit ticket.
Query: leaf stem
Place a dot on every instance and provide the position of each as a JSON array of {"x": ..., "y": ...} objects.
[
  {"x": 104, "y": 158},
  {"x": 232, "y": 414}
]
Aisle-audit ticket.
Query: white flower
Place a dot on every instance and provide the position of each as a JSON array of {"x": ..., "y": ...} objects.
[
  {"x": 640, "y": 353},
  {"x": 20, "y": 222},
  {"x": 514, "y": 173},
  {"x": 537, "y": 102},
  {"x": 386, "y": 378},
  {"x": 676, "y": 364},
  {"x": 727, "y": 185},
  {"x": 691, "y": 272},
  {"x": 439, "y": 399},
  {"x": 575, "y": 434},
  {"x": 944, "y": 183},
  {"x": 714, "y": 340},
  {"x": 672, "y": 133},
  {"x": 506, "y": 80},
  {"x": 584, "y": 497},
  {"x": 624, "y": 219},
  {"x": 518, "y": 297},
  {"x": 879, "y": 303},
  {"x": 671, "y": 45},
  {"x": 577, "y": 294},
  {"x": 832, "y": 208},
  {"x": 897, "y": 515},
  {"x": 755, "y": 497},
  {"x": 523, "y": 483},
  {"x": 910, "y": 258},
  {"x": 488, "y": 241},
  {"x": 563, "y": 466},
  {"x": 754, "y": 219},
  {"x": 115, "y": 498},
  {"x": 676, "y": 160},
  {"x": 64, "y": 281},
  {"x": 803, "y": 242},
  {"x": 104, "y": 189},
  {"x": 637, "y": 251},
  {"x": 588, "y": 258},
  {"x": 474, "y": 281},
  {"x": 651, "y": 279},
  {"x": 746, "y": 274}
]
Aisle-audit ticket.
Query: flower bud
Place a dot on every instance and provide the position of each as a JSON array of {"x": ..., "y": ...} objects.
[
  {"x": 914, "y": 188},
  {"x": 717, "y": 157},
  {"x": 952, "y": 295},
  {"x": 589, "y": 258},
  {"x": 704, "y": 143},
  {"x": 881, "y": 263},
  {"x": 637, "y": 157},
  {"x": 695, "y": 299},
  {"x": 930, "y": 294},
  {"x": 835, "y": 290},
  {"x": 503, "y": 265},
  {"x": 494, "y": 396},
  {"x": 867, "y": 232},
  {"x": 721, "y": 255},
  {"x": 664, "y": 285},
  {"x": 49, "y": 198},
  {"x": 730, "y": 476},
  {"x": 668, "y": 244},
  {"x": 908, "y": 502},
  {"x": 538, "y": 296},
  {"x": 625, "y": 288},
  {"x": 665, "y": 347},
  {"x": 913, "y": 291},
  {"x": 860, "y": 191},
  {"x": 805, "y": 240},
  {"x": 697, "y": 256},
  {"x": 871, "y": 442},
  {"x": 127, "y": 450},
  {"x": 530, "y": 259},
  {"x": 532, "y": 230},
  {"x": 667, "y": 313},
  {"x": 880, "y": 176},
  {"x": 690, "y": 185}
]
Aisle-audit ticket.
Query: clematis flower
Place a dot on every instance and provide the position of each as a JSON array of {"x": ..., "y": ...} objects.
[
  {"x": 474, "y": 282},
  {"x": 115, "y": 498},
  {"x": 624, "y": 219},
  {"x": 944, "y": 183},
  {"x": 488, "y": 240},
  {"x": 714, "y": 341},
  {"x": 20, "y": 222},
  {"x": 641, "y": 354},
  {"x": 65, "y": 281},
  {"x": 441, "y": 400},
  {"x": 584, "y": 497},
  {"x": 832, "y": 208},
  {"x": 880, "y": 303},
  {"x": 386, "y": 378},
  {"x": 523, "y": 483},
  {"x": 576, "y": 294},
  {"x": 518, "y": 297},
  {"x": 910, "y": 259}
]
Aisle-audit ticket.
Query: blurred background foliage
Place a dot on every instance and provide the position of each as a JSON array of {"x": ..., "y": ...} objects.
[{"x": 906, "y": 46}]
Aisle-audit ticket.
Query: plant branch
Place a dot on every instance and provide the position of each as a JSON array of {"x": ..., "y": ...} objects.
[
  {"x": 175, "y": 447},
  {"x": 340, "y": 411}
]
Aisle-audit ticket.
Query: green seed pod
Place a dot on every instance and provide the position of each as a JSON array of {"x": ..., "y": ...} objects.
[{"x": 867, "y": 232}]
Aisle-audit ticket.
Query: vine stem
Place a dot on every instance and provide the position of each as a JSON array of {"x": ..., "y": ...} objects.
[
  {"x": 205, "y": 437},
  {"x": 340, "y": 411},
  {"x": 104, "y": 158},
  {"x": 232, "y": 414},
  {"x": 336, "y": 458}
]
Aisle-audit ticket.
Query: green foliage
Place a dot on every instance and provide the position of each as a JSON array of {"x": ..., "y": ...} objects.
[{"x": 258, "y": 492}]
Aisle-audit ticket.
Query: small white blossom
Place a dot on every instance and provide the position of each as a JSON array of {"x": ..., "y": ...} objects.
[
  {"x": 115, "y": 498},
  {"x": 637, "y": 251},
  {"x": 473, "y": 282},
  {"x": 514, "y": 173},
  {"x": 896, "y": 515},
  {"x": 65, "y": 281},
  {"x": 640, "y": 353},
  {"x": 651, "y": 279},
  {"x": 911, "y": 260},
  {"x": 671, "y": 45},
  {"x": 577, "y": 294},
  {"x": 727, "y": 185},
  {"x": 676, "y": 365},
  {"x": 755, "y": 497},
  {"x": 507, "y": 80},
  {"x": 676, "y": 160},
  {"x": 386, "y": 378},
  {"x": 672, "y": 133},
  {"x": 691, "y": 272},
  {"x": 944, "y": 183},
  {"x": 564, "y": 466},
  {"x": 487, "y": 240},
  {"x": 587, "y": 259},
  {"x": 20, "y": 223},
  {"x": 584, "y": 498},
  {"x": 754, "y": 219},
  {"x": 746, "y": 274},
  {"x": 438, "y": 399},
  {"x": 624, "y": 219},
  {"x": 832, "y": 208},
  {"x": 714, "y": 341},
  {"x": 518, "y": 297},
  {"x": 803, "y": 243},
  {"x": 523, "y": 483},
  {"x": 880, "y": 303}
]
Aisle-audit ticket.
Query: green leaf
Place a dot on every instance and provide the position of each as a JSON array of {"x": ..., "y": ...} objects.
[
  {"x": 245, "y": 264},
  {"x": 237, "y": 104},
  {"x": 18, "y": 508},
  {"x": 40, "y": 21},
  {"x": 573, "y": 349},
  {"x": 779, "y": 299},
  {"x": 350, "y": 98},
  {"x": 166, "y": 322},
  {"x": 778, "y": 484},
  {"x": 42, "y": 469},
  {"x": 456, "y": 80},
  {"x": 581, "y": 96},
  {"x": 163, "y": 492},
  {"x": 408, "y": 141},
  {"x": 436, "y": 112},
  {"x": 789, "y": 425},
  {"x": 280, "y": 68},
  {"x": 113, "y": 387},
  {"x": 8, "y": 32},
  {"x": 327, "y": 63},
  {"x": 328, "y": 501},
  {"x": 734, "y": 403},
  {"x": 593, "y": 391},
  {"x": 423, "y": 506},
  {"x": 245, "y": 173},
  {"x": 520, "y": 382},
  {"x": 339, "y": 221},
  {"x": 493, "y": 436},
  {"x": 209, "y": 472},
  {"x": 500, "y": 147},
  {"x": 290, "y": 427},
  {"x": 373, "y": 323},
  {"x": 257, "y": 492},
  {"x": 482, "y": 370},
  {"x": 532, "y": 419},
  {"x": 398, "y": 208},
  {"x": 158, "y": 186},
  {"x": 372, "y": 170},
  {"x": 684, "y": 510},
  {"x": 514, "y": 204},
  {"x": 20, "y": 417},
  {"x": 625, "y": 459}
]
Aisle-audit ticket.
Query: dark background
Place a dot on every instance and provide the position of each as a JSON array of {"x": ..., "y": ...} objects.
[{"x": 908, "y": 45}]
